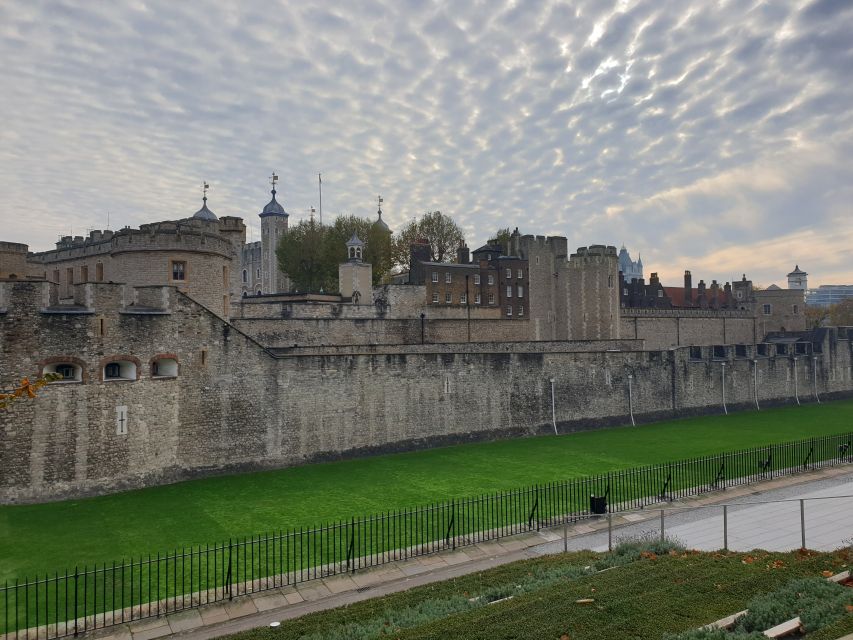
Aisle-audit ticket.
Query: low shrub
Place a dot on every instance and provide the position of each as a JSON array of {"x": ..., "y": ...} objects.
[
  {"x": 647, "y": 544},
  {"x": 816, "y": 601}
]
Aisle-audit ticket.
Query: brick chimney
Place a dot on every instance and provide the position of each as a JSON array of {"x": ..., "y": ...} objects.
[{"x": 688, "y": 288}]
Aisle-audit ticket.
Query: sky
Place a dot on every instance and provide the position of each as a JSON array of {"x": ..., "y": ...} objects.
[{"x": 710, "y": 136}]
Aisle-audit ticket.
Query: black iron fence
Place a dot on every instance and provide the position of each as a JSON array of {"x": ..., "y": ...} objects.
[{"x": 56, "y": 605}]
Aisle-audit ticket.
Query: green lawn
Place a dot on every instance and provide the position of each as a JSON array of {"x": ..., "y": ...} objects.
[{"x": 58, "y": 535}]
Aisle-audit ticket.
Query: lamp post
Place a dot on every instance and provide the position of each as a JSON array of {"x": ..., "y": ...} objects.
[{"x": 423, "y": 316}]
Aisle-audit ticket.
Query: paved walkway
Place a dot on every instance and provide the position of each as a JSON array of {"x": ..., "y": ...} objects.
[{"x": 829, "y": 525}]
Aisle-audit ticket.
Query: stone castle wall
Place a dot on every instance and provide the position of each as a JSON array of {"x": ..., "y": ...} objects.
[
  {"x": 234, "y": 405},
  {"x": 664, "y": 328}
]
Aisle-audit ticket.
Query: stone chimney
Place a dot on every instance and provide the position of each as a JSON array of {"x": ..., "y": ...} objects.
[{"x": 688, "y": 288}]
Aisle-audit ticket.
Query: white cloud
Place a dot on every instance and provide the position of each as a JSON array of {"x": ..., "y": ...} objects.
[{"x": 722, "y": 132}]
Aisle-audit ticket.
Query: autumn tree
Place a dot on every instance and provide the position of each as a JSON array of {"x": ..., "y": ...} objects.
[
  {"x": 841, "y": 313},
  {"x": 440, "y": 231}
]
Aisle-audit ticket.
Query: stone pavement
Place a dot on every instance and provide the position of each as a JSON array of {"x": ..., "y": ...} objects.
[{"x": 829, "y": 524}]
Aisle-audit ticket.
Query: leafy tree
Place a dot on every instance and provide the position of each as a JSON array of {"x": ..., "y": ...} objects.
[
  {"x": 442, "y": 233},
  {"x": 301, "y": 254},
  {"x": 502, "y": 237},
  {"x": 310, "y": 253},
  {"x": 816, "y": 316},
  {"x": 841, "y": 313}
]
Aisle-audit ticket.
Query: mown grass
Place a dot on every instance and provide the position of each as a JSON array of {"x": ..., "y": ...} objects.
[
  {"x": 642, "y": 599},
  {"x": 35, "y": 538}
]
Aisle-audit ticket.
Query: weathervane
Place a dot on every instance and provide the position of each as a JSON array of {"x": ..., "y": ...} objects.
[
  {"x": 273, "y": 180},
  {"x": 380, "y": 204},
  {"x": 204, "y": 189}
]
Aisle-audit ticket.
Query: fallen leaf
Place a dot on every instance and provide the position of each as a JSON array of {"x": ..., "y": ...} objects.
[
  {"x": 826, "y": 574},
  {"x": 565, "y": 636},
  {"x": 585, "y": 601}
]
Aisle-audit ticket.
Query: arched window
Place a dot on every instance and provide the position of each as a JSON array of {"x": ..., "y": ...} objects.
[
  {"x": 245, "y": 275},
  {"x": 70, "y": 371},
  {"x": 119, "y": 369},
  {"x": 258, "y": 292},
  {"x": 164, "y": 367}
]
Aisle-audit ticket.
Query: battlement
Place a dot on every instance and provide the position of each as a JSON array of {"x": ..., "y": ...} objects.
[
  {"x": 173, "y": 235},
  {"x": 101, "y": 298},
  {"x": 592, "y": 250},
  {"x": 13, "y": 247}
]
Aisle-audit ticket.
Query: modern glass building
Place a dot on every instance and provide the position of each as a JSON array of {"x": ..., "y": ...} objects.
[{"x": 828, "y": 294}]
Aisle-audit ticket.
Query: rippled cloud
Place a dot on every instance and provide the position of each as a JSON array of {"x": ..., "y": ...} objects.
[{"x": 711, "y": 137}]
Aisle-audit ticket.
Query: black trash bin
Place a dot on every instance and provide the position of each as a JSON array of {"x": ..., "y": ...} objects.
[{"x": 598, "y": 505}]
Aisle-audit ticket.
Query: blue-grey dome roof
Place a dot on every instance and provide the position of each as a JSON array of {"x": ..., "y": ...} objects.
[
  {"x": 381, "y": 223},
  {"x": 204, "y": 213},
  {"x": 273, "y": 208}
]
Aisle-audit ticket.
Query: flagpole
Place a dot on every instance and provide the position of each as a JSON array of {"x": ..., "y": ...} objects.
[{"x": 320, "y": 187}]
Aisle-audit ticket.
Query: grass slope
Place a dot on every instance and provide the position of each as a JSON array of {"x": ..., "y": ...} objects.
[
  {"x": 62, "y": 534},
  {"x": 643, "y": 599}
]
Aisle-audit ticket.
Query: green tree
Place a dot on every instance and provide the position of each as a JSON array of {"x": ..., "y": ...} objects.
[
  {"x": 502, "y": 237},
  {"x": 310, "y": 253},
  {"x": 442, "y": 233},
  {"x": 302, "y": 255}
]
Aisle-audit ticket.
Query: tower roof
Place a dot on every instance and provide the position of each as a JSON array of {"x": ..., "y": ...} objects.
[
  {"x": 380, "y": 223},
  {"x": 204, "y": 213},
  {"x": 797, "y": 272},
  {"x": 355, "y": 241},
  {"x": 273, "y": 208}
]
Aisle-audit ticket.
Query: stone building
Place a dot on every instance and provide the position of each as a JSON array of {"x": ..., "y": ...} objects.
[
  {"x": 251, "y": 261},
  {"x": 199, "y": 255}
]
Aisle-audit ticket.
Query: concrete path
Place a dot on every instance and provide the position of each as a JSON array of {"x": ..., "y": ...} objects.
[{"x": 773, "y": 527}]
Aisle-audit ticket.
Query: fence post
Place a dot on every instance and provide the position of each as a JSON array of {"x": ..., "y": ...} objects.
[
  {"x": 76, "y": 576},
  {"x": 227, "y": 577},
  {"x": 803, "y": 522},
  {"x": 565, "y": 535},
  {"x": 610, "y": 531},
  {"x": 725, "y": 527},
  {"x": 453, "y": 523}
]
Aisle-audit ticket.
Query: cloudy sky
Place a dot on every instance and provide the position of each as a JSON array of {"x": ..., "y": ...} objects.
[{"x": 711, "y": 136}]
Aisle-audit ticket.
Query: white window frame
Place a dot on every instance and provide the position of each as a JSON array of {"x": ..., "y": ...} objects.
[
  {"x": 509, "y": 311},
  {"x": 521, "y": 274},
  {"x": 476, "y": 278},
  {"x": 463, "y": 298},
  {"x": 448, "y": 278},
  {"x": 491, "y": 279},
  {"x": 435, "y": 277},
  {"x": 491, "y": 298},
  {"x": 520, "y": 291},
  {"x": 435, "y": 297},
  {"x": 509, "y": 273},
  {"x": 520, "y": 310},
  {"x": 448, "y": 298},
  {"x": 476, "y": 298},
  {"x": 509, "y": 291}
]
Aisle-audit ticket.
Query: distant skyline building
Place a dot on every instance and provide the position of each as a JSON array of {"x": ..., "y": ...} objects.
[
  {"x": 828, "y": 294},
  {"x": 630, "y": 269}
]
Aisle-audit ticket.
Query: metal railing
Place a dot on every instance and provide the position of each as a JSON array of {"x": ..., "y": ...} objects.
[
  {"x": 58, "y": 604},
  {"x": 724, "y": 526}
]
